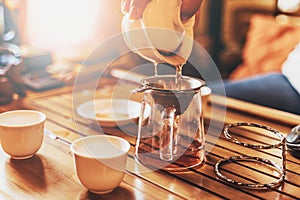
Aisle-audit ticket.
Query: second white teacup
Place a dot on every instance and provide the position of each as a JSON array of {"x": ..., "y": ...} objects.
[
  {"x": 100, "y": 161},
  {"x": 206, "y": 97},
  {"x": 21, "y": 132}
]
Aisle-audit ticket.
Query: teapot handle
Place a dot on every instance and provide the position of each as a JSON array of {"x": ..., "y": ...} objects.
[{"x": 167, "y": 142}]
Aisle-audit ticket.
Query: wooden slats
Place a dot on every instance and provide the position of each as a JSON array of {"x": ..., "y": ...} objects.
[
  {"x": 54, "y": 164},
  {"x": 63, "y": 118}
]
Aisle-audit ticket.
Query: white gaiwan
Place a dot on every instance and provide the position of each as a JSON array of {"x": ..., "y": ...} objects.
[{"x": 160, "y": 31}]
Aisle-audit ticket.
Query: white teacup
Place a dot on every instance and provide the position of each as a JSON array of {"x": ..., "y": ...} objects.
[
  {"x": 100, "y": 161},
  {"x": 206, "y": 97},
  {"x": 22, "y": 132}
]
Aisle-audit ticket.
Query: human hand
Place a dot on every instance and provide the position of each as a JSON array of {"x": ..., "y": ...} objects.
[{"x": 135, "y": 8}]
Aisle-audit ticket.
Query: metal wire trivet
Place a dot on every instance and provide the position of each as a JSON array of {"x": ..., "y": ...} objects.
[{"x": 280, "y": 169}]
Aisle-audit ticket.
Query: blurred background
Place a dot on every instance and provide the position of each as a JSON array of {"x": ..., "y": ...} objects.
[{"x": 68, "y": 30}]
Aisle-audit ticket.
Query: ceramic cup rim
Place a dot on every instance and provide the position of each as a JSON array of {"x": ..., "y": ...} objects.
[
  {"x": 205, "y": 91},
  {"x": 42, "y": 118},
  {"x": 92, "y": 138}
]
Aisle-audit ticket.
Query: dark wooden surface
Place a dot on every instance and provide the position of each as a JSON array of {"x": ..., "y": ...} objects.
[{"x": 50, "y": 173}]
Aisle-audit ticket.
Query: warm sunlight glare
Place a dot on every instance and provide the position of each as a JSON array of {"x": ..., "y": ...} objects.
[{"x": 55, "y": 24}]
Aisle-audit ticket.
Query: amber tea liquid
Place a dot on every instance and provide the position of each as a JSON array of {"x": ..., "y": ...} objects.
[{"x": 188, "y": 154}]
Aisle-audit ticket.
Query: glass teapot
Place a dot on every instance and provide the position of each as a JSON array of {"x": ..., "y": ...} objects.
[{"x": 171, "y": 135}]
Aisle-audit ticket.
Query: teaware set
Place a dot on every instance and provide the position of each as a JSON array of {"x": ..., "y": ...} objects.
[{"x": 170, "y": 135}]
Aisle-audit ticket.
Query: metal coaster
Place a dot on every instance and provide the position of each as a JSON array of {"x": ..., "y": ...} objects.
[{"x": 281, "y": 169}]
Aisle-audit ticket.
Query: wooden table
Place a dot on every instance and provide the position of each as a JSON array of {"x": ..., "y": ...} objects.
[{"x": 50, "y": 173}]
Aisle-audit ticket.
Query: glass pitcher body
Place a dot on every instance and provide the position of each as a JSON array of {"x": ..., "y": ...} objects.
[{"x": 171, "y": 136}]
